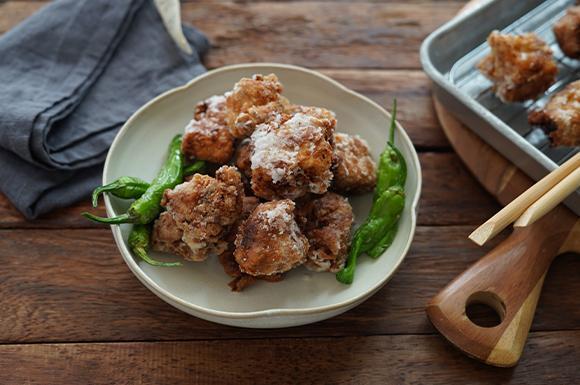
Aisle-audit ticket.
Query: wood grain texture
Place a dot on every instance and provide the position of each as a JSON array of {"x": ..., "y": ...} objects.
[
  {"x": 339, "y": 35},
  {"x": 449, "y": 196},
  {"x": 412, "y": 90},
  {"x": 73, "y": 285},
  {"x": 508, "y": 279},
  {"x": 313, "y": 34},
  {"x": 381, "y": 360}
]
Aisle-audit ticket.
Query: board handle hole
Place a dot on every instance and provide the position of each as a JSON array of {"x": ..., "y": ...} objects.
[{"x": 485, "y": 309}]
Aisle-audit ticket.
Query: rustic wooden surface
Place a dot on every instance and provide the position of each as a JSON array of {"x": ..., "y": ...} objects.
[{"x": 71, "y": 312}]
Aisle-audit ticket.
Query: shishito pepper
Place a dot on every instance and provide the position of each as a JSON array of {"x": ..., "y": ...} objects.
[
  {"x": 376, "y": 234},
  {"x": 195, "y": 167},
  {"x": 139, "y": 244},
  {"x": 129, "y": 187},
  {"x": 126, "y": 187},
  {"x": 392, "y": 168},
  {"x": 145, "y": 209}
]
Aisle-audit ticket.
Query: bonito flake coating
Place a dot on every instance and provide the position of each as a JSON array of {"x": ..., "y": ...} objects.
[
  {"x": 561, "y": 116},
  {"x": 355, "y": 170},
  {"x": 567, "y": 32},
  {"x": 521, "y": 67},
  {"x": 203, "y": 211},
  {"x": 326, "y": 221},
  {"x": 207, "y": 136},
  {"x": 270, "y": 241},
  {"x": 291, "y": 156},
  {"x": 253, "y": 101}
]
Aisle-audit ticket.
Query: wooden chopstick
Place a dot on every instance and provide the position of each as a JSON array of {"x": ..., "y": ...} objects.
[
  {"x": 516, "y": 208},
  {"x": 550, "y": 200}
]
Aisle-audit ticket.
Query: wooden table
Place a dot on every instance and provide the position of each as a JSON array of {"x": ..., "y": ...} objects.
[{"x": 71, "y": 312}]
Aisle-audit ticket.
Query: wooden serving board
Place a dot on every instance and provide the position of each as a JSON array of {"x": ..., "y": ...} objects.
[{"x": 508, "y": 279}]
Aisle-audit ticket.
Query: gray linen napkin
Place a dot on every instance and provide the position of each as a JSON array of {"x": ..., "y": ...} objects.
[{"x": 70, "y": 76}]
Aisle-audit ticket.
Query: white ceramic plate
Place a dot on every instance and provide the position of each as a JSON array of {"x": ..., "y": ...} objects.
[{"x": 302, "y": 297}]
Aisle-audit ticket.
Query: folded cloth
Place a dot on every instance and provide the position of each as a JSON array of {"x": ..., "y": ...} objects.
[{"x": 71, "y": 75}]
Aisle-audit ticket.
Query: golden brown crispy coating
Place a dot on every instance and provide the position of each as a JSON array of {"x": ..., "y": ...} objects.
[
  {"x": 243, "y": 163},
  {"x": 317, "y": 112},
  {"x": 355, "y": 170},
  {"x": 242, "y": 158},
  {"x": 226, "y": 258},
  {"x": 251, "y": 100},
  {"x": 326, "y": 221},
  {"x": 561, "y": 116},
  {"x": 292, "y": 156},
  {"x": 246, "y": 122},
  {"x": 204, "y": 209},
  {"x": 167, "y": 237},
  {"x": 567, "y": 31},
  {"x": 207, "y": 136},
  {"x": 520, "y": 66},
  {"x": 241, "y": 280},
  {"x": 269, "y": 241}
]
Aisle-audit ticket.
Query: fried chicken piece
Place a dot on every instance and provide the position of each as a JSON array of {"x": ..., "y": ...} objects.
[
  {"x": 567, "y": 31},
  {"x": 207, "y": 136},
  {"x": 253, "y": 101},
  {"x": 226, "y": 258},
  {"x": 203, "y": 210},
  {"x": 355, "y": 170},
  {"x": 326, "y": 221},
  {"x": 167, "y": 237},
  {"x": 561, "y": 116},
  {"x": 269, "y": 241},
  {"x": 242, "y": 158},
  {"x": 317, "y": 112},
  {"x": 292, "y": 156},
  {"x": 520, "y": 66},
  {"x": 243, "y": 163},
  {"x": 246, "y": 122},
  {"x": 241, "y": 280}
]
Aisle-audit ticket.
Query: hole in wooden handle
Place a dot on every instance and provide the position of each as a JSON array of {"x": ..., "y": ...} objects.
[{"x": 485, "y": 309}]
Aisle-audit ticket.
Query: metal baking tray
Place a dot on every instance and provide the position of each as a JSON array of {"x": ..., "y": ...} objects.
[{"x": 449, "y": 56}]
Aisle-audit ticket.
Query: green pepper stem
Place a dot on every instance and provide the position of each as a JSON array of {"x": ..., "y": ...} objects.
[
  {"x": 393, "y": 123},
  {"x": 123, "y": 218},
  {"x": 145, "y": 257},
  {"x": 102, "y": 189}
]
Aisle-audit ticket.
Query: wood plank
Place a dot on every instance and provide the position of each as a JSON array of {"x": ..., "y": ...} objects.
[
  {"x": 314, "y": 34},
  {"x": 14, "y": 12},
  {"x": 318, "y": 34},
  {"x": 413, "y": 93},
  {"x": 74, "y": 286},
  {"x": 549, "y": 358},
  {"x": 450, "y": 196}
]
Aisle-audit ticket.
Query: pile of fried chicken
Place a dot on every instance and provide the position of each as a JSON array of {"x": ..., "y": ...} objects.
[
  {"x": 522, "y": 67},
  {"x": 275, "y": 203}
]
